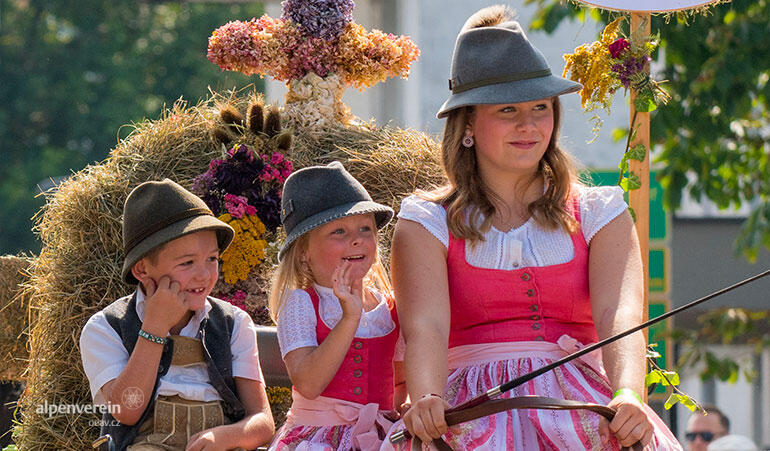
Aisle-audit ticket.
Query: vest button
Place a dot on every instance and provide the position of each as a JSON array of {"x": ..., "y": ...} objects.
[
  {"x": 536, "y": 326},
  {"x": 357, "y": 358},
  {"x": 357, "y": 373},
  {"x": 530, "y": 292},
  {"x": 534, "y": 317},
  {"x": 533, "y": 307},
  {"x": 525, "y": 276},
  {"x": 358, "y": 345},
  {"x": 539, "y": 338},
  {"x": 515, "y": 264},
  {"x": 356, "y": 390}
]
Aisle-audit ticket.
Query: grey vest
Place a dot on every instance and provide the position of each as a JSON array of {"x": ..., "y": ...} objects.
[{"x": 214, "y": 333}]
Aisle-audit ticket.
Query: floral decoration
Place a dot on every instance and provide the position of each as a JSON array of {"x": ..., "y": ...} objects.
[
  {"x": 614, "y": 61},
  {"x": 316, "y": 36},
  {"x": 243, "y": 189}
]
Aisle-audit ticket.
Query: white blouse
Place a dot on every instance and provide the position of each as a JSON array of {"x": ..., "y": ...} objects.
[
  {"x": 528, "y": 244},
  {"x": 297, "y": 322}
]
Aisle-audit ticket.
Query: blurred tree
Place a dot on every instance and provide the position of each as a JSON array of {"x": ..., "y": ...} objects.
[
  {"x": 714, "y": 132},
  {"x": 72, "y": 72}
]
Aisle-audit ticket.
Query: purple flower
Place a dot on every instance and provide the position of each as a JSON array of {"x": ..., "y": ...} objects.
[
  {"x": 618, "y": 47},
  {"x": 628, "y": 67},
  {"x": 324, "y": 19}
]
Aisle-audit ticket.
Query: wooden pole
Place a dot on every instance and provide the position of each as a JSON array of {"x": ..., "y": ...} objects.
[{"x": 639, "y": 199}]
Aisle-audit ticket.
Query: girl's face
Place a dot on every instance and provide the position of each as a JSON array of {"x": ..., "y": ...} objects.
[
  {"x": 353, "y": 238},
  {"x": 511, "y": 138}
]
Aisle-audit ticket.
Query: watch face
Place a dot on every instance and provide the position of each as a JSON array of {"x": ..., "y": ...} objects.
[{"x": 648, "y": 6}]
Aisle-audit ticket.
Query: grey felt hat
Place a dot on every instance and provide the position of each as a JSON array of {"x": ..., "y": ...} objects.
[
  {"x": 316, "y": 195},
  {"x": 497, "y": 64},
  {"x": 158, "y": 212}
]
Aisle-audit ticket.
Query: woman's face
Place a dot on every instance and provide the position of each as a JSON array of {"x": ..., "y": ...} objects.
[{"x": 511, "y": 138}]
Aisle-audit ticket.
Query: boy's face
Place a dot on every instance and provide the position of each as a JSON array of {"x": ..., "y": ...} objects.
[{"x": 191, "y": 260}]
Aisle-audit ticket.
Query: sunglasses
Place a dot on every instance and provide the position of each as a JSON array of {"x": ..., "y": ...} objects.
[{"x": 706, "y": 436}]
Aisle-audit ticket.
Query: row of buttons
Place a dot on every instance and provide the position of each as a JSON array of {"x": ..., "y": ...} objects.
[
  {"x": 533, "y": 307},
  {"x": 357, "y": 359}
]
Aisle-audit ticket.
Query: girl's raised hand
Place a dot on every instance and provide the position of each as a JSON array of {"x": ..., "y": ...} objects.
[{"x": 349, "y": 290}]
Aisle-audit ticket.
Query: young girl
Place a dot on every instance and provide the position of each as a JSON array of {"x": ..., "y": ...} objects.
[{"x": 337, "y": 326}]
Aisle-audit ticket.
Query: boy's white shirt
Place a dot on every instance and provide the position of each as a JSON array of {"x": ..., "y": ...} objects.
[{"x": 104, "y": 356}]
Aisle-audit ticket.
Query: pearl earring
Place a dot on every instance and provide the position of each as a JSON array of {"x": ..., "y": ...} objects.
[{"x": 468, "y": 141}]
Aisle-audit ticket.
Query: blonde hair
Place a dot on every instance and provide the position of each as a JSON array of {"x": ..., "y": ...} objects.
[
  {"x": 467, "y": 192},
  {"x": 292, "y": 273}
]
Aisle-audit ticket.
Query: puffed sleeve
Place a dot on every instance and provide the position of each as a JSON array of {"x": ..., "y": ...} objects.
[
  {"x": 428, "y": 214},
  {"x": 296, "y": 322},
  {"x": 598, "y": 206}
]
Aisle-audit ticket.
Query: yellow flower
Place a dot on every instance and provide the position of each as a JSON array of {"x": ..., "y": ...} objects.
[
  {"x": 590, "y": 66},
  {"x": 247, "y": 249}
]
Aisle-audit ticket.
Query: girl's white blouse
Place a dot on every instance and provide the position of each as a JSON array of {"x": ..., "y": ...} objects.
[
  {"x": 528, "y": 244},
  {"x": 297, "y": 321}
]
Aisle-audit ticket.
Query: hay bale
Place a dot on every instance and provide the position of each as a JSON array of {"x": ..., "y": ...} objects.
[
  {"x": 14, "y": 319},
  {"x": 78, "y": 270}
]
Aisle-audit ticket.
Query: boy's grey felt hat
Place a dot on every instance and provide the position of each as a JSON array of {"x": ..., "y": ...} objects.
[
  {"x": 498, "y": 64},
  {"x": 316, "y": 195},
  {"x": 158, "y": 212}
]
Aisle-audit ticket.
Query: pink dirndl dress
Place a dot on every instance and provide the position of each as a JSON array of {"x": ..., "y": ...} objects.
[
  {"x": 512, "y": 324},
  {"x": 352, "y": 413}
]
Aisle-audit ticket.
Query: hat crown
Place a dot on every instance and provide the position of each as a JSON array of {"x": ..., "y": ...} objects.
[
  {"x": 154, "y": 205},
  {"x": 494, "y": 52},
  {"x": 316, "y": 189},
  {"x": 317, "y": 195}
]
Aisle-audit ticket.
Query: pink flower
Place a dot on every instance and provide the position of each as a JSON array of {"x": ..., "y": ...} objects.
[
  {"x": 618, "y": 47},
  {"x": 237, "y": 206}
]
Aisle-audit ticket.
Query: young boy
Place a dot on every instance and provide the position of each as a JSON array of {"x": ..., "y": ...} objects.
[{"x": 177, "y": 369}]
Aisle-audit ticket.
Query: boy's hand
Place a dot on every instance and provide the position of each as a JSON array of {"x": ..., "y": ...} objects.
[
  {"x": 208, "y": 440},
  {"x": 349, "y": 290},
  {"x": 165, "y": 306}
]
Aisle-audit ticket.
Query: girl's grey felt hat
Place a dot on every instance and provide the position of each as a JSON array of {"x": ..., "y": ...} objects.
[
  {"x": 158, "y": 212},
  {"x": 498, "y": 64},
  {"x": 316, "y": 195}
]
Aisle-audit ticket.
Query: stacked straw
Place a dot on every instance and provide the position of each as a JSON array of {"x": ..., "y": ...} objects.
[
  {"x": 13, "y": 317},
  {"x": 78, "y": 270}
]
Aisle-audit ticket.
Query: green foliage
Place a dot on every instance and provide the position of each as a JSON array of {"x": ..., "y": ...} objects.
[
  {"x": 714, "y": 131},
  {"x": 724, "y": 326},
  {"x": 666, "y": 378},
  {"x": 73, "y": 72}
]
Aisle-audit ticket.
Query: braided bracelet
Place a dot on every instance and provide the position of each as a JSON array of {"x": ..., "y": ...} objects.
[{"x": 152, "y": 338}]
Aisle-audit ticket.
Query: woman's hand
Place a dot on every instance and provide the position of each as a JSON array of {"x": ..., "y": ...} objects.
[
  {"x": 349, "y": 290},
  {"x": 630, "y": 424},
  {"x": 425, "y": 418}
]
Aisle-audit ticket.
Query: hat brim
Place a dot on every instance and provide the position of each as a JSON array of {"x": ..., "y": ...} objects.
[
  {"x": 382, "y": 216},
  {"x": 176, "y": 230},
  {"x": 511, "y": 92}
]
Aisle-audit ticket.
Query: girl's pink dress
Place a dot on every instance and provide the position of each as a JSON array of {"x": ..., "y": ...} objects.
[
  {"x": 351, "y": 413},
  {"x": 505, "y": 324}
]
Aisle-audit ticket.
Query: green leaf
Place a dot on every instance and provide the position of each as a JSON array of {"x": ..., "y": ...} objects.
[
  {"x": 673, "y": 399},
  {"x": 645, "y": 105},
  {"x": 638, "y": 152},
  {"x": 631, "y": 182},
  {"x": 633, "y": 214},
  {"x": 618, "y": 134},
  {"x": 653, "y": 377}
]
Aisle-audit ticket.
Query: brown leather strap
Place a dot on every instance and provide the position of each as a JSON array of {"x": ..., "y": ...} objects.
[{"x": 494, "y": 406}]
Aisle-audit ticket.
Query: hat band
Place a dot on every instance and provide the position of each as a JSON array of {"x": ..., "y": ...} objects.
[
  {"x": 458, "y": 88},
  {"x": 165, "y": 223}
]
